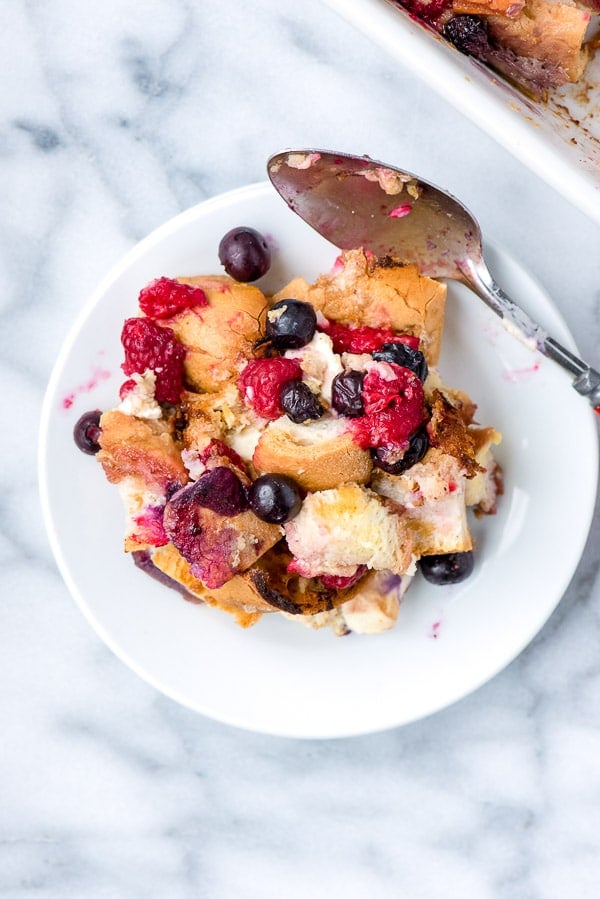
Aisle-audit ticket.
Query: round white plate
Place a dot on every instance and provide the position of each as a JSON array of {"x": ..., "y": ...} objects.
[{"x": 279, "y": 677}]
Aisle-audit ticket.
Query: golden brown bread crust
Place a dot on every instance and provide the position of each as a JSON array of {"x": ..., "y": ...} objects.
[
  {"x": 329, "y": 462},
  {"x": 206, "y": 416},
  {"x": 218, "y": 337},
  {"x": 135, "y": 447},
  {"x": 510, "y": 8},
  {"x": 391, "y": 296},
  {"x": 285, "y": 591},
  {"x": 265, "y": 588},
  {"x": 448, "y": 431},
  {"x": 549, "y": 31},
  {"x": 169, "y": 560}
]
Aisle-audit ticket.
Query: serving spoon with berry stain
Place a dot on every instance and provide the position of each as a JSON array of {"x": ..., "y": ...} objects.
[{"x": 355, "y": 201}]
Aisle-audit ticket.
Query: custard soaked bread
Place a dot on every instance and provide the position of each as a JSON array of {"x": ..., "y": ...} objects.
[{"x": 296, "y": 454}]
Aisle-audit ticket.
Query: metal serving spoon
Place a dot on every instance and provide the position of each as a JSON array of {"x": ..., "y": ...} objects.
[{"x": 354, "y": 201}]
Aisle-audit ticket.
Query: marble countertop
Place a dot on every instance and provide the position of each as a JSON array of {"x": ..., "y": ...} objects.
[{"x": 116, "y": 116}]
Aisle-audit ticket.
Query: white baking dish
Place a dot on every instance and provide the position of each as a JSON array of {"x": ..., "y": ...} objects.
[{"x": 559, "y": 140}]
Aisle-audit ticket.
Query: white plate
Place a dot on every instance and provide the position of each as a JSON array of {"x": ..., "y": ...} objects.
[
  {"x": 558, "y": 140},
  {"x": 279, "y": 677}
]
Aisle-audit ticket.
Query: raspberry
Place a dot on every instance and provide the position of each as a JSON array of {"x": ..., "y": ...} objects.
[
  {"x": 149, "y": 527},
  {"x": 384, "y": 382},
  {"x": 365, "y": 339},
  {"x": 261, "y": 381},
  {"x": 126, "y": 387},
  {"x": 335, "y": 582},
  {"x": 429, "y": 11},
  {"x": 165, "y": 297},
  {"x": 148, "y": 346},
  {"x": 394, "y": 407}
]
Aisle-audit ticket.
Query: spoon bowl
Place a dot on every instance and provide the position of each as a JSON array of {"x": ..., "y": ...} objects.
[{"x": 355, "y": 201}]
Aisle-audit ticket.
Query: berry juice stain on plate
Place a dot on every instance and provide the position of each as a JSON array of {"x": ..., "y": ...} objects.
[
  {"x": 99, "y": 374},
  {"x": 515, "y": 375},
  {"x": 434, "y": 632}
]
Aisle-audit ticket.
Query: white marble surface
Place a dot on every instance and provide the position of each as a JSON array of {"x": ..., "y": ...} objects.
[{"x": 115, "y": 116}]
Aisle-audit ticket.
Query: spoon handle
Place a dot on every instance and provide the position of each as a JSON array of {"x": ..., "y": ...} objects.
[{"x": 522, "y": 326}]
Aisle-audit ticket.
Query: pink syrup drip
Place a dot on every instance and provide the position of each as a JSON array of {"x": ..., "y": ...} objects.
[
  {"x": 518, "y": 374},
  {"x": 98, "y": 375},
  {"x": 400, "y": 211},
  {"x": 435, "y": 630}
]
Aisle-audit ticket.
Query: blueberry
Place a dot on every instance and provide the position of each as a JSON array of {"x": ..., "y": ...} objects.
[
  {"x": 448, "y": 568},
  {"x": 87, "y": 431},
  {"x": 299, "y": 402},
  {"x": 220, "y": 490},
  {"x": 290, "y": 324},
  {"x": 244, "y": 254},
  {"x": 346, "y": 393},
  {"x": 469, "y": 34},
  {"x": 403, "y": 355},
  {"x": 275, "y": 498},
  {"x": 418, "y": 446}
]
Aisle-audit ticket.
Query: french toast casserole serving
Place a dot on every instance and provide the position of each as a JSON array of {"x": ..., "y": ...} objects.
[{"x": 296, "y": 453}]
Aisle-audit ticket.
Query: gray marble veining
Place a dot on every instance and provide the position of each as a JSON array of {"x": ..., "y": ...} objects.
[{"x": 115, "y": 116}]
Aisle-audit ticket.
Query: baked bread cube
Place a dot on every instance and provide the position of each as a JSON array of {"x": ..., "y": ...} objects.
[
  {"x": 141, "y": 448},
  {"x": 318, "y": 455},
  {"x": 218, "y": 337},
  {"x": 550, "y": 32},
  {"x": 217, "y": 545},
  {"x": 362, "y": 291},
  {"x": 338, "y": 530},
  {"x": 431, "y": 499}
]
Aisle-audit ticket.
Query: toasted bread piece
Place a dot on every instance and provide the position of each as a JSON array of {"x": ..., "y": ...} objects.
[
  {"x": 216, "y": 545},
  {"x": 338, "y": 530},
  {"x": 449, "y": 431},
  {"x": 206, "y": 416},
  {"x": 370, "y": 607},
  {"x": 483, "y": 490},
  {"x": 144, "y": 448},
  {"x": 391, "y": 296},
  {"x": 546, "y": 30},
  {"x": 510, "y": 8},
  {"x": 461, "y": 400},
  {"x": 246, "y": 607},
  {"x": 219, "y": 337},
  {"x": 285, "y": 591},
  {"x": 267, "y": 587},
  {"x": 318, "y": 455},
  {"x": 431, "y": 497}
]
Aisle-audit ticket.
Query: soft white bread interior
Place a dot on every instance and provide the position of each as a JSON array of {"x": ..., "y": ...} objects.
[
  {"x": 431, "y": 498},
  {"x": 340, "y": 529}
]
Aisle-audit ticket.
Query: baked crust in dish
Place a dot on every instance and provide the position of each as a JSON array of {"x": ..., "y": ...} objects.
[{"x": 537, "y": 44}]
